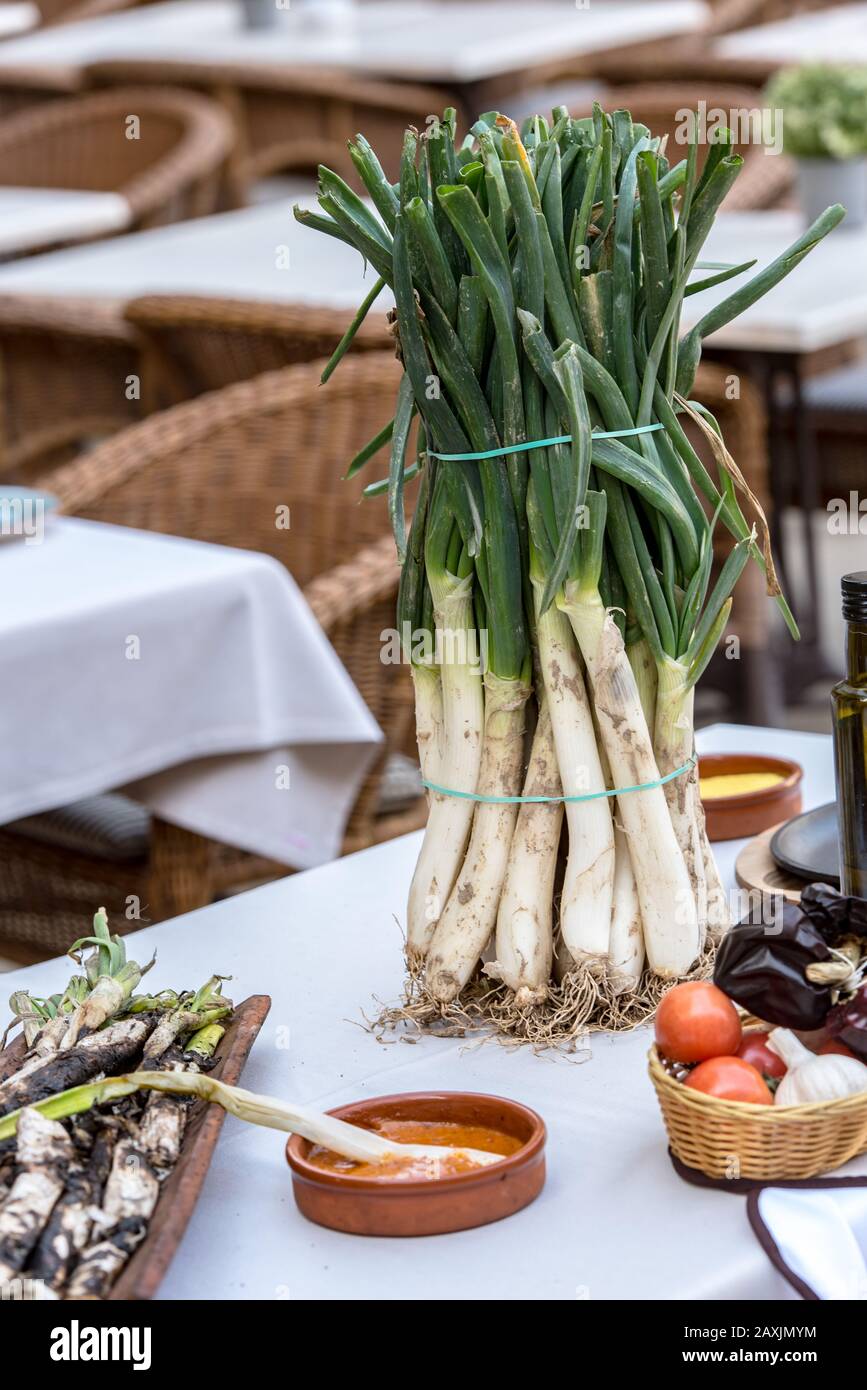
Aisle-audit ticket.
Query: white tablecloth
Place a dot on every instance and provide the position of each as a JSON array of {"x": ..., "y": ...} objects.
[
  {"x": 834, "y": 35},
  {"x": 233, "y": 681},
  {"x": 39, "y": 216},
  {"x": 429, "y": 42},
  {"x": 258, "y": 253},
  {"x": 821, "y": 302},
  {"x": 614, "y": 1221},
  {"x": 17, "y": 18}
]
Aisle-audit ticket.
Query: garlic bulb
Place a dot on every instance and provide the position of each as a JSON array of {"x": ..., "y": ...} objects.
[{"x": 810, "y": 1078}]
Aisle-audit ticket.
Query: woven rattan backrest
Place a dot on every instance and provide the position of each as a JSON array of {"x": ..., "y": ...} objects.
[
  {"x": 201, "y": 343},
  {"x": 258, "y": 465},
  {"x": 86, "y": 142}
]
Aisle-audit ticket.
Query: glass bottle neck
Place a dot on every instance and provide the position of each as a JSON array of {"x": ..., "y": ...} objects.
[{"x": 856, "y": 653}]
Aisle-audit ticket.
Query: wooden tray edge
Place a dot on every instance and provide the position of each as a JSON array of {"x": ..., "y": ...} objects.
[{"x": 144, "y": 1273}]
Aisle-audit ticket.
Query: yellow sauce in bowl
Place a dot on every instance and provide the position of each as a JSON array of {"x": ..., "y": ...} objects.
[{"x": 737, "y": 783}]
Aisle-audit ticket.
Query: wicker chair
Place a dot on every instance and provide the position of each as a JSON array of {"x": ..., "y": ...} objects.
[
  {"x": 74, "y": 11},
  {"x": 292, "y": 118},
  {"x": 33, "y": 84},
  {"x": 170, "y": 172},
  {"x": 79, "y": 355},
  {"x": 192, "y": 344},
  {"x": 214, "y": 469}
]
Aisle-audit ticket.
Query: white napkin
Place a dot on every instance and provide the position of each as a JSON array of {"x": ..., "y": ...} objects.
[{"x": 820, "y": 1234}]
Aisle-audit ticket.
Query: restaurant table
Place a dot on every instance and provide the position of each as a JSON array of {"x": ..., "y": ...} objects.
[
  {"x": 262, "y": 253},
  {"x": 39, "y": 217},
  {"x": 827, "y": 35},
  {"x": 258, "y": 253},
  {"x": 458, "y": 45},
  {"x": 17, "y": 18},
  {"x": 193, "y": 677},
  {"x": 614, "y": 1221}
]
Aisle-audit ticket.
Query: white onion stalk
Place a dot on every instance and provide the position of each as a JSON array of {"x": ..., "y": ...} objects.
[
  {"x": 626, "y": 945},
  {"x": 627, "y": 940},
  {"x": 719, "y": 917},
  {"x": 673, "y": 746},
  {"x": 588, "y": 886},
  {"x": 450, "y": 818},
  {"x": 671, "y": 929},
  {"x": 131, "y": 1184},
  {"x": 429, "y": 734},
  {"x": 471, "y": 911},
  {"x": 626, "y": 949},
  {"x": 644, "y": 670},
  {"x": 524, "y": 937}
]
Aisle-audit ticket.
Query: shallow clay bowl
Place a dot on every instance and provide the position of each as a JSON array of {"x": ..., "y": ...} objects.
[
  {"x": 749, "y": 813},
  {"x": 377, "y": 1207}
]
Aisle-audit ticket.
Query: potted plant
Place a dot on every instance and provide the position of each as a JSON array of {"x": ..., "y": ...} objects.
[{"x": 824, "y": 118}]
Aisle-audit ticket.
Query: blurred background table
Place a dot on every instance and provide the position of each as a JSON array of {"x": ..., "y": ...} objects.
[
  {"x": 179, "y": 310},
  {"x": 32, "y": 217},
  {"x": 17, "y": 18},
  {"x": 405, "y": 42},
  {"x": 835, "y": 34},
  {"x": 259, "y": 253}
]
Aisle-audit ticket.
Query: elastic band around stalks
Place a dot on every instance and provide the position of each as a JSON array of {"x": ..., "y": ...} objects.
[
  {"x": 542, "y": 444},
  {"x": 590, "y": 796}
]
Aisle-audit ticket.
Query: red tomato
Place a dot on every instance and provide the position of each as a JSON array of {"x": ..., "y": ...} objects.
[
  {"x": 730, "y": 1078},
  {"x": 836, "y": 1048},
  {"x": 696, "y": 1020},
  {"x": 754, "y": 1049}
]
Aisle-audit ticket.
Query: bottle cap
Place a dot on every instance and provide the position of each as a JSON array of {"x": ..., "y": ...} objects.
[{"x": 854, "y": 588}]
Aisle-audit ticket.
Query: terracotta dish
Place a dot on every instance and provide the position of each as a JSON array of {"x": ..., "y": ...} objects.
[
  {"x": 749, "y": 813},
  {"x": 377, "y": 1207}
]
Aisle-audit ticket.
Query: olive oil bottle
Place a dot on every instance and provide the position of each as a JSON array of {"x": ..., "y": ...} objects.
[{"x": 849, "y": 707}]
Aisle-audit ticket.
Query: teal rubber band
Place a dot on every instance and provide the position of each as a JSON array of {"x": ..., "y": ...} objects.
[
  {"x": 542, "y": 444},
  {"x": 591, "y": 796}
]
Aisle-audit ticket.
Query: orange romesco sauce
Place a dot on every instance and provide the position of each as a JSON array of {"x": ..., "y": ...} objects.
[{"x": 419, "y": 1132}]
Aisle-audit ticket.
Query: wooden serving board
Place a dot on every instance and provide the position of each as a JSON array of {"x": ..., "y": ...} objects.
[
  {"x": 141, "y": 1277},
  {"x": 756, "y": 870}
]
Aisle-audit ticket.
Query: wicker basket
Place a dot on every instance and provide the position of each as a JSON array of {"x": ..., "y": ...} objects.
[{"x": 729, "y": 1139}]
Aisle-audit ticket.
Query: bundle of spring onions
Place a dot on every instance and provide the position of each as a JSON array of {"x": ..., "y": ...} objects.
[
  {"x": 564, "y": 527},
  {"x": 76, "y": 1197}
]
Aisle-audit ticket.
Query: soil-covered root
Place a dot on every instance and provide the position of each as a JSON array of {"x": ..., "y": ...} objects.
[
  {"x": 69, "y": 1227},
  {"x": 111, "y": 1052},
  {"x": 131, "y": 1193},
  {"x": 584, "y": 1001},
  {"x": 45, "y": 1153}
]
